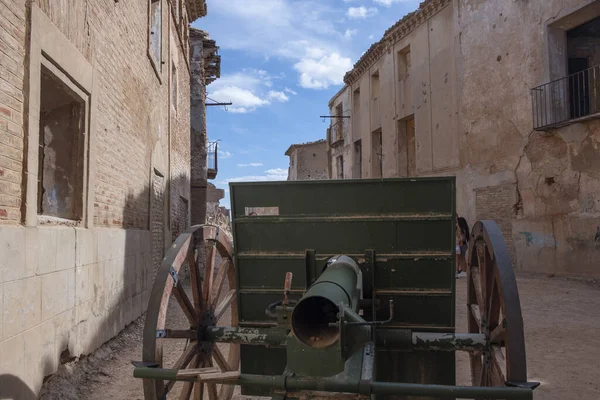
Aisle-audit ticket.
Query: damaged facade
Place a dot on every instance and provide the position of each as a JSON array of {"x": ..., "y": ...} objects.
[
  {"x": 308, "y": 161},
  {"x": 95, "y": 167},
  {"x": 501, "y": 94}
]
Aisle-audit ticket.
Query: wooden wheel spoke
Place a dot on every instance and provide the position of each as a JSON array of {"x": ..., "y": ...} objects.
[
  {"x": 195, "y": 280},
  {"x": 226, "y": 391},
  {"x": 476, "y": 313},
  {"x": 483, "y": 373},
  {"x": 494, "y": 287},
  {"x": 216, "y": 288},
  {"x": 186, "y": 305},
  {"x": 483, "y": 272},
  {"x": 198, "y": 391},
  {"x": 180, "y": 334},
  {"x": 208, "y": 273},
  {"x": 212, "y": 391},
  {"x": 186, "y": 391},
  {"x": 221, "y": 360},
  {"x": 224, "y": 304},
  {"x": 498, "y": 335},
  {"x": 477, "y": 286},
  {"x": 207, "y": 288},
  {"x": 498, "y": 367}
]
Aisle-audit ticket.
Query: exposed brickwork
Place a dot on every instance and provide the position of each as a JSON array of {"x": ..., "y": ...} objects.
[
  {"x": 12, "y": 59},
  {"x": 198, "y": 129},
  {"x": 496, "y": 203},
  {"x": 157, "y": 225},
  {"x": 84, "y": 285},
  {"x": 180, "y": 157}
]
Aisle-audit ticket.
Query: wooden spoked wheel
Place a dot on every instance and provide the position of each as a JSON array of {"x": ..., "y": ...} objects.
[
  {"x": 494, "y": 309},
  {"x": 194, "y": 289}
]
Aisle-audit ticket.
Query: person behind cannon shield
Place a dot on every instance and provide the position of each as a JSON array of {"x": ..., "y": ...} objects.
[{"x": 462, "y": 241}]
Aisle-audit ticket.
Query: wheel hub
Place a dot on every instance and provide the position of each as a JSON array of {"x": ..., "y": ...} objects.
[{"x": 207, "y": 320}]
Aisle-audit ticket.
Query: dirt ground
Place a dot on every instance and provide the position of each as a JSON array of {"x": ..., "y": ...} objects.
[{"x": 562, "y": 321}]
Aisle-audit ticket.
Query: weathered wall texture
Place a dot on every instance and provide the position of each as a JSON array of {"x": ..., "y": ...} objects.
[
  {"x": 473, "y": 118},
  {"x": 308, "y": 161},
  {"x": 72, "y": 285},
  {"x": 205, "y": 66}
]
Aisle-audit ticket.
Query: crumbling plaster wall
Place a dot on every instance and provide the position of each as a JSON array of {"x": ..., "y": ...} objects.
[
  {"x": 343, "y": 148},
  {"x": 310, "y": 162},
  {"x": 555, "y": 175},
  {"x": 430, "y": 93},
  {"x": 198, "y": 135}
]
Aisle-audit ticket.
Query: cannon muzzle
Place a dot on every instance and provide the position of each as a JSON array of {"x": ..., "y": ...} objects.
[{"x": 315, "y": 315}]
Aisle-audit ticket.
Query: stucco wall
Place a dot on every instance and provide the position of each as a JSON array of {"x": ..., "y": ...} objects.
[
  {"x": 429, "y": 93},
  {"x": 474, "y": 63},
  {"x": 309, "y": 162}
]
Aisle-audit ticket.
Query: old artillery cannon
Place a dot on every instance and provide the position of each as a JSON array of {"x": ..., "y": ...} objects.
[{"x": 335, "y": 288}]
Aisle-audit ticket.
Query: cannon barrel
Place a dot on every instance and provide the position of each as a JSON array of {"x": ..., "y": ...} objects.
[{"x": 314, "y": 316}]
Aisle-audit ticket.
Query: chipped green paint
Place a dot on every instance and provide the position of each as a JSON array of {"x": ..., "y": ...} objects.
[
  {"x": 448, "y": 341},
  {"x": 287, "y": 383},
  {"x": 268, "y": 337}
]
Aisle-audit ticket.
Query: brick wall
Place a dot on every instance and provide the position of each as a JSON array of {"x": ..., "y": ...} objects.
[
  {"x": 12, "y": 58},
  {"x": 157, "y": 227},
  {"x": 198, "y": 130},
  {"x": 496, "y": 203},
  {"x": 74, "y": 288},
  {"x": 180, "y": 156}
]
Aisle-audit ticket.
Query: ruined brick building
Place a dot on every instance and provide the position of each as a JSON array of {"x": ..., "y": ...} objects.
[
  {"x": 95, "y": 166},
  {"x": 308, "y": 161},
  {"x": 502, "y": 94}
]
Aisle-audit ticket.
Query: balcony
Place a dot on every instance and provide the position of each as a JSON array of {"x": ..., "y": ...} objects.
[
  {"x": 336, "y": 132},
  {"x": 574, "y": 98},
  {"x": 212, "y": 160}
]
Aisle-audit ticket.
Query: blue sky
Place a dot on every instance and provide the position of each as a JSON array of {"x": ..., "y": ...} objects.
[{"x": 281, "y": 62}]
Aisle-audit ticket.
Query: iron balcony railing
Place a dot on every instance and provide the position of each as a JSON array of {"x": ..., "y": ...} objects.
[
  {"x": 336, "y": 131},
  {"x": 564, "y": 100},
  {"x": 212, "y": 160}
]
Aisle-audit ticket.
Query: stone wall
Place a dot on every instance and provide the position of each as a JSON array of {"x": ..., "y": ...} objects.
[
  {"x": 66, "y": 287},
  {"x": 473, "y": 118},
  {"x": 308, "y": 161}
]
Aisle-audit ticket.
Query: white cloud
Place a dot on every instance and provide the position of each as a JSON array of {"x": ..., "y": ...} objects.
[
  {"x": 278, "y": 96},
  {"x": 299, "y": 32},
  {"x": 290, "y": 91},
  {"x": 388, "y": 3},
  {"x": 371, "y": 37},
  {"x": 361, "y": 12},
  {"x": 225, "y": 154},
  {"x": 349, "y": 1},
  {"x": 252, "y": 164},
  {"x": 275, "y": 174},
  {"x": 350, "y": 32},
  {"x": 247, "y": 90},
  {"x": 323, "y": 72},
  {"x": 243, "y": 100}
]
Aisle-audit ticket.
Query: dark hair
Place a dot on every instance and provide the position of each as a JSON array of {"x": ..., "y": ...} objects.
[{"x": 462, "y": 224}]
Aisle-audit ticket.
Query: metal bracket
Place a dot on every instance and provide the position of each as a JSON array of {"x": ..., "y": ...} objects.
[
  {"x": 371, "y": 323},
  {"x": 523, "y": 385},
  {"x": 161, "y": 333},
  {"x": 174, "y": 275},
  {"x": 144, "y": 364}
]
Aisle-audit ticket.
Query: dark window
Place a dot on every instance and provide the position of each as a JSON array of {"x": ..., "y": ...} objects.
[
  {"x": 377, "y": 154},
  {"x": 404, "y": 63},
  {"x": 155, "y": 37},
  {"x": 340, "y": 167},
  {"x": 357, "y": 159},
  {"x": 61, "y": 149}
]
